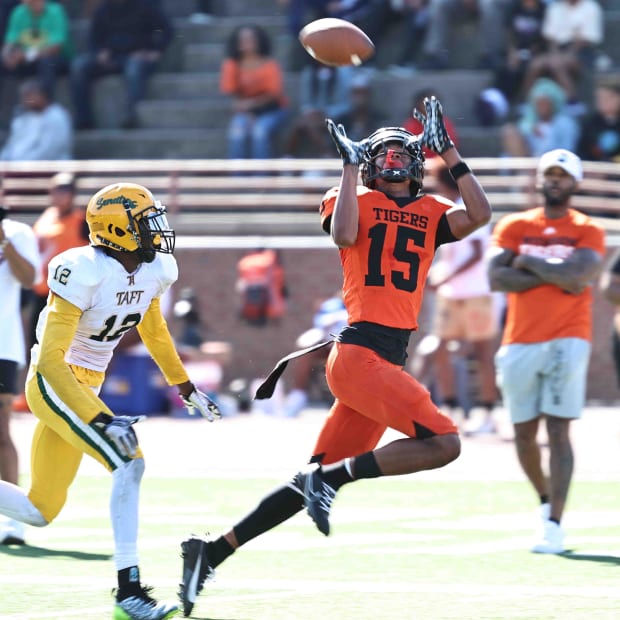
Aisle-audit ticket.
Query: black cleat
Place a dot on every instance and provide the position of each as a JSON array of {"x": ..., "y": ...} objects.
[
  {"x": 196, "y": 570},
  {"x": 318, "y": 498}
]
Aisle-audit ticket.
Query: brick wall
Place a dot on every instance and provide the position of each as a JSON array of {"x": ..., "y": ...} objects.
[{"x": 312, "y": 275}]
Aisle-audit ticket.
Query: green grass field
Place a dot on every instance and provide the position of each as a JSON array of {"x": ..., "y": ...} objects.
[{"x": 401, "y": 549}]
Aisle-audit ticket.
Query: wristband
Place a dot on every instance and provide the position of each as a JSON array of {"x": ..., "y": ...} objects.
[
  {"x": 4, "y": 243},
  {"x": 459, "y": 170}
]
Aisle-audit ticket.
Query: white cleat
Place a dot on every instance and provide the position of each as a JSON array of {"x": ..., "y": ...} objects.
[{"x": 552, "y": 541}]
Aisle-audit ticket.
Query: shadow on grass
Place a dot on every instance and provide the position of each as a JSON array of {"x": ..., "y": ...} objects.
[
  {"x": 591, "y": 557},
  {"x": 29, "y": 551}
]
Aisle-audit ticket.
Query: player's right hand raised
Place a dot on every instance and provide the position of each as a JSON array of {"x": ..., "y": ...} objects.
[{"x": 350, "y": 151}]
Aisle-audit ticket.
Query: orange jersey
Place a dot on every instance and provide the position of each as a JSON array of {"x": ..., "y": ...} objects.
[
  {"x": 55, "y": 235},
  {"x": 385, "y": 269},
  {"x": 546, "y": 312}
]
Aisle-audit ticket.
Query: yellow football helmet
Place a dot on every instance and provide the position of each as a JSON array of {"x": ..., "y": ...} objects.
[{"x": 127, "y": 218}]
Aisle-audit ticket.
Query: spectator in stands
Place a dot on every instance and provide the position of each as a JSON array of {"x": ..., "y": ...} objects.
[
  {"x": 301, "y": 12},
  {"x": 363, "y": 117},
  {"x": 261, "y": 287},
  {"x": 298, "y": 14},
  {"x": 60, "y": 227},
  {"x": 466, "y": 312},
  {"x": 253, "y": 80},
  {"x": 524, "y": 23},
  {"x": 324, "y": 92},
  {"x": 204, "y": 14},
  {"x": 6, "y": 6},
  {"x": 386, "y": 14},
  {"x": 187, "y": 310},
  {"x": 444, "y": 15},
  {"x": 19, "y": 265},
  {"x": 543, "y": 125},
  {"x": 127, "y": 37},
  {"x": 573, "y": 31},
  {"x": 41, "y": 128},
  {"x": 415, "y": 126},
  {"x": 600, "y": 130},
  {"x": 37, "y": 42}
]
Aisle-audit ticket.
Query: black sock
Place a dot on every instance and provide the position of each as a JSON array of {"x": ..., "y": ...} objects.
[
  {"x": 128, "y": 582},
  {"x": 281, "y": 505},
  {"x": 218, "y": 550},
  {"x": 544, "y": 499},
  {"x": 555, "y": 520},
  {"x": 337, "y": 475},
  {"x": 451, "y": 402},
  {"x": 365, "y": 466},
  {"x": 362, "y": 466}
]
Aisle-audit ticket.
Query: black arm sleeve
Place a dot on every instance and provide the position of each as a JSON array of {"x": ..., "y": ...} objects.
[{"x": 444, "y": 234}]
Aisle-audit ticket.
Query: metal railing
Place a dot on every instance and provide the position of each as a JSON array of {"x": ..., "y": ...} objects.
[{"x": 213, "y": 196}]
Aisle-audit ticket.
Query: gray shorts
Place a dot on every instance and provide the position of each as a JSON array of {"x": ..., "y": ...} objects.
[{"x": 543, "y": 378}]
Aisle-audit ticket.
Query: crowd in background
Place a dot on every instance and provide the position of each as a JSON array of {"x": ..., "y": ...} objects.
[{"x": 546, "y": 61}]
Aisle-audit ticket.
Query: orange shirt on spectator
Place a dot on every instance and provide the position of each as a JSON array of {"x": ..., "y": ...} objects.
[
  {"x": 244, "y": 82},
  {"x": 57, "y": 234},
  {"x": 546, "y": 312}
]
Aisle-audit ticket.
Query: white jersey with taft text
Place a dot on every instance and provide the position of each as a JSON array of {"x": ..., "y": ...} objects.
[{"x": 111, "y": 299}]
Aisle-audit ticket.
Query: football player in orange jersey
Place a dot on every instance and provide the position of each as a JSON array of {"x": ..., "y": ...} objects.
[{"x": 387, "y": 231}]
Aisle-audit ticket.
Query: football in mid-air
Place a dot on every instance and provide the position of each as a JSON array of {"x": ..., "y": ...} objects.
[{"x": 336, "y": 42}]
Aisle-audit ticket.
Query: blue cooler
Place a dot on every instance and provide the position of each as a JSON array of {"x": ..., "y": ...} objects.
[{"x": 134, "y": 385}]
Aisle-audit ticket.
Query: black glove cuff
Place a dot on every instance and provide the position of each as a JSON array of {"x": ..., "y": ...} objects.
[
  {"x": 459, "y": 170},
  {"x": 102, "y": 418}
]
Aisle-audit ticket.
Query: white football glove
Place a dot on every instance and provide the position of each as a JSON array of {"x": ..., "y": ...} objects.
[
  {"x": 199, "y": 401},
  {"x": 119, "y": 429},
  {"x": 350, "y": 151},
  {"x": 434, "y": 136}
]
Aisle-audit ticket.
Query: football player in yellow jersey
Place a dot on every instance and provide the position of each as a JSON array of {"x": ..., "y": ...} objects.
[
  {"x": 387, "y": 231},
  {"x": 97, "y": 293}
]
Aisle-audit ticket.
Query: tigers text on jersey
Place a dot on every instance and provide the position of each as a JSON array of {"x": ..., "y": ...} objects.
[
  {"x": 112, "y": 300},
  {"x": 385, "y": 269}
]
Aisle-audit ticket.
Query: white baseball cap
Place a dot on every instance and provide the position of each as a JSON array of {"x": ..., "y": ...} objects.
[{"x": 567, "y": 160}]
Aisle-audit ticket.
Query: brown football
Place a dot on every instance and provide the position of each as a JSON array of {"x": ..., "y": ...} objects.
[{"x": 336, "y": 42}]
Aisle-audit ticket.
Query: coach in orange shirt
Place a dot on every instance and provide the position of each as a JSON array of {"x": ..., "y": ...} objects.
[{"x": 547, "y": 259}]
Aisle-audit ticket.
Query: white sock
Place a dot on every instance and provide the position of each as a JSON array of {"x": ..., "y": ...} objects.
[
  {"x": 124, "y": 504},
  {"x": 14, "y": 503}
]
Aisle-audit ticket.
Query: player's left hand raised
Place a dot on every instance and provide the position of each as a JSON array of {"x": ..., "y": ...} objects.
[
  {"x": 435, "y": 136},
  {"x": 200, "y": 402}
]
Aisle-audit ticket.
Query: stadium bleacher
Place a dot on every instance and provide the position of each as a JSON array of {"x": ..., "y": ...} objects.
[{"x": 184, "y": 115}]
